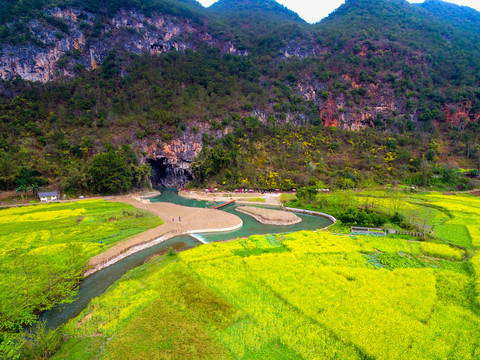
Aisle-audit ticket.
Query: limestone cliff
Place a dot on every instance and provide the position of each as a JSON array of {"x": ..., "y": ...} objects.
[
  {"x": 85, "y": 40},
  {"x": 68, "y": 41}
]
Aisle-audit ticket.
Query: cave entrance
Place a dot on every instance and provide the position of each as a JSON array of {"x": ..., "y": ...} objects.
[{"x": 168, "y": 175}]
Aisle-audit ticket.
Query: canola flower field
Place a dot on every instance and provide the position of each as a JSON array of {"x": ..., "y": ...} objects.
[
  {"x": 448, "y": 217},
  {"x": 305, "y": 295},
  {"x": 44, "y": 248},
  {"x": 452, "y": 218}
]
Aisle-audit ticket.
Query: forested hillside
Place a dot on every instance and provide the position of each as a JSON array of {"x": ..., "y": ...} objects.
[{"x": 244, "y": 93}]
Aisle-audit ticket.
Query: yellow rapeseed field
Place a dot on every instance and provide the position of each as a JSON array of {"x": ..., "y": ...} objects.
[
  {"x": 45, "y": 247},
  {"x": 308, "y": 295}
]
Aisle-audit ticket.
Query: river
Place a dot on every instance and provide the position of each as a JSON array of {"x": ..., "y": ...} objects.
[{"x": 95, "y": 284}]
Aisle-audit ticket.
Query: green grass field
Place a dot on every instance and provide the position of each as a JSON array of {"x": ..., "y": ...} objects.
[
  {"x": 305, "y": 295},
  {"x": 463, "y": 228},
  {"x": 44, "y": 248}
]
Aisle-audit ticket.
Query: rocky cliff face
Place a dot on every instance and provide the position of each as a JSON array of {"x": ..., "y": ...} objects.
[
  {"x": 337, "y": 112},
  {"x": 84, "y": 42},
  {"x": 460, "y": 114},
  {"x": 377, "y": 102}
]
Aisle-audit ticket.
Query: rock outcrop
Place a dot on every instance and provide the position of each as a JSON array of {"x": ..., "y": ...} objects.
[{"x": 171, "y": 160}]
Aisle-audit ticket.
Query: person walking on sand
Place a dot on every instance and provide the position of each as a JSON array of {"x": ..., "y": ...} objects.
[
  {"x": 173, "y": 219},
  {"x": 179, "y": 218}
]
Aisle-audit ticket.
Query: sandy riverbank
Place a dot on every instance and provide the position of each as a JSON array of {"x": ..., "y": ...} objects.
[
  {"x": 246, "y": 198},
  {"x": 269, "y": 216},
  {"x": 192, "y": 220}
]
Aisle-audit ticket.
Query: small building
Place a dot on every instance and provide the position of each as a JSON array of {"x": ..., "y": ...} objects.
[
  {"x": 48, "y": 196},
  {"x": 354, "y": 230}
]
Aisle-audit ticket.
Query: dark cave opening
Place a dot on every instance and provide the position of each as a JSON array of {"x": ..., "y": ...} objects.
[{"x": 167, "y": 175}]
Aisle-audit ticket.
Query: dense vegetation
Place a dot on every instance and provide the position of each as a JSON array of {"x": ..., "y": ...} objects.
[
  {"x": 325, "y": 157},
  {"x": 409, "y": 72},
  {"x": 45, "y": 248},
  {"x": 434, "y": 34},
  {"x": 14, "y": 14},
  {"x": 293, "y": 296},
  {"x": 69, "y": 123}
]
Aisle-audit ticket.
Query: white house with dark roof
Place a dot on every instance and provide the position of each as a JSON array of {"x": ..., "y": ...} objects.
[{"x": 48, "y": 196}]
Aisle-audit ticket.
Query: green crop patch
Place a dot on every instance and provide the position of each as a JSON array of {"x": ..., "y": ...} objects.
[
  {"x": 162, "y": 330},
  {"x": 399, "y": 260},
  {"x": 260, "y": 244},
  {"x": 87, "y": 348},
  {"x": 455, "y": 233}
]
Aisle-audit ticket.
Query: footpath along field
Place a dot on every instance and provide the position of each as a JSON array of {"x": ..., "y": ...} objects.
[
  {"x": 304, "y": 295},
  {"x": 44, "y": 248}
]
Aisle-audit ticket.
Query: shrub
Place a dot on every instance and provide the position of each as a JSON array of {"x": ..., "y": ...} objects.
[
  {"x": 472, "y": 173},
  {"x": 430, "y": 155},
  {"x": 345, "y": 183},
  {"x": 397, "y": 218},
  {"x": 307, "y": 193},
  {"x": 171, "y": 251},
  {"x": 42, "y": 343},
  {"x": 361, "y": 217}
]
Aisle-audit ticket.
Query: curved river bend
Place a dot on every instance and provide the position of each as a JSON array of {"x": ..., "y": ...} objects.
[{"x": 95, "y": 284}]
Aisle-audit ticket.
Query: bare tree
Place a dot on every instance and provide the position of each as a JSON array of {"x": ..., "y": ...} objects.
[
  {"x": 422, "y": 219},
  {"x": 396, "y": 199}
]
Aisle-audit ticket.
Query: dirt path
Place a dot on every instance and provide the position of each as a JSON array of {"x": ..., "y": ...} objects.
[{"x": 192, "y": 220}]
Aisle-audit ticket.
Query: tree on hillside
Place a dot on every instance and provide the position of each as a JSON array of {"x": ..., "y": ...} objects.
[
  {"x": 28, "y": 176},
  {"x": 33, "y": 188},
  {"x": 76, "y": 178},
  {"x": 141, "y": 174},
  {"x": 8, "y": 171},
  {"x": 307, "y": 193},
  {"x": 109, "y": 173},
  {"x": 22, "y": 189}
]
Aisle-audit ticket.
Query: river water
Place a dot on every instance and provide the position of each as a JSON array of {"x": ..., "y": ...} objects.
[{"x": 95, "y": 284}]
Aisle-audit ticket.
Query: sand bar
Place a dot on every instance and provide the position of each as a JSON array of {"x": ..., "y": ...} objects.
[
  {"x": 241, "y": 198},
  {"x": 269, "y": 216},
  {"x": 192, "y": 220}
]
